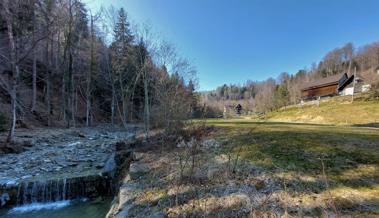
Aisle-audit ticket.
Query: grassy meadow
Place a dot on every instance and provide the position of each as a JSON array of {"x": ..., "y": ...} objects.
[
  {"x": 336, "y": 110},
  {"x": 317, "y": 164},
  {"x": 250, "y": 167}
]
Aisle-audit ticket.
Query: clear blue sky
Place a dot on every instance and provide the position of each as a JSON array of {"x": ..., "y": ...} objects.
[{"x": 231, "y": 41}]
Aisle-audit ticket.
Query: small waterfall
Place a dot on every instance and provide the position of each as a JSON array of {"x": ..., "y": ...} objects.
[
  {"x": 24, "y": 194},
  {"x": 64, "y": 188},
  {"x": 18, "y": 195},
  {"x": 43, "y": 191},
  {"x": 57, "y": 190},
  {"x": 31, "y": 192}
]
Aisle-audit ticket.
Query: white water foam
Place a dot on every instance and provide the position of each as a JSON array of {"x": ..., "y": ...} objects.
[
  {"x": 74, "y": 144},
  {"x": 40, "y": 206}
]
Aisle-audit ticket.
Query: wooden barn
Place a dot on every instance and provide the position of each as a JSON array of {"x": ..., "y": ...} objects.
[{"x": 328, "y": 86}]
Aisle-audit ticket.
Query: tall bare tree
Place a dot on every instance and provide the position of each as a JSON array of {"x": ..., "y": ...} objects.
[{"x": 14, "y": 74}]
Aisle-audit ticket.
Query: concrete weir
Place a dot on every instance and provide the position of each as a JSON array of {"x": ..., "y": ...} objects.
[
  {"x": 53, "y": 190},
  {"x": 86, "y": 167}
]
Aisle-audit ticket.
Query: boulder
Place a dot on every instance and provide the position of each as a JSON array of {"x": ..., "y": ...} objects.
[
  {"x": 4, "y": 198},
  {"x": 137, "y": 170},
  {"x": 159, "y": 214},
  {"x": 210, "y": 143},
  {"x": 137, "y": 156}
]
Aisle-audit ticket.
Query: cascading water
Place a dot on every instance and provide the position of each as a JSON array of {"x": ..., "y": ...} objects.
[
  {"x": 46, "y": 198},
  {"x": 61, "y": 209},
  {"x": 43, "y": 191},
  {"x": 56, "y": 179}
]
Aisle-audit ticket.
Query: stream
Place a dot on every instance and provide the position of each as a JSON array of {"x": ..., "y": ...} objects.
[
  {"x": 64, "y": 173},
  {"x": 60, "y": 209}
]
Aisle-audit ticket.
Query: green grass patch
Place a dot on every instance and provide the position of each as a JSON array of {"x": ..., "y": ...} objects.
[
  {"x": 297, "y": 148},
  {"x": 337, "y": 110}
]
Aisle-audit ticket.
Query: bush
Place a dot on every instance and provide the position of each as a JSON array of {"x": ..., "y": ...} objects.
[
  {"x": 3, "y": 122},
  {"x": 375, "y": 91},
  {"x": 207, "y": 112},
  {"x": 374, "y": 94}
]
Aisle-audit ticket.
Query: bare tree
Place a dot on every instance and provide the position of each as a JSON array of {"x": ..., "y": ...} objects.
[
  {"x": 92, "y": 69},
  {"x": 144, "y": 66},
  {"x": 14, "y": 74},
  {"x": 34, "y": 80}
]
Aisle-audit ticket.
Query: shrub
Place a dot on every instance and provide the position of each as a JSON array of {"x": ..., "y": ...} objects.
[{"x": 374, "y": 93}]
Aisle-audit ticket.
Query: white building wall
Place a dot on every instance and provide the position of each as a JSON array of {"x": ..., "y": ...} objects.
[
  {"x": 366, "y": 88},
  {"x": 347, "y": 91}
]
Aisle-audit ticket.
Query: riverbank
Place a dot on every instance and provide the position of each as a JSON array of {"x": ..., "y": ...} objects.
[{"x": 244, "y": 168}]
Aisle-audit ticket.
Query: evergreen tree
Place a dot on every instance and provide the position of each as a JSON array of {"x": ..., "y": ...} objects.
[
  {"x": 123, "y": 67},
  {"x": 123, "y": 36}
]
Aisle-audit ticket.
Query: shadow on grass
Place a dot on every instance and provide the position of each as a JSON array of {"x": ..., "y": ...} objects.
[
  {"x": 268, "y": 123},
  {"x": 375, "y": 125},
  {"x": 294, "y": 150},
  {"x": 302, "y": 152},
  {"x": 186, "y": 206},
  {"x": 185, "y": 203}
]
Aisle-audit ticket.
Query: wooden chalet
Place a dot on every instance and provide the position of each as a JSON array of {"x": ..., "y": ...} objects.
[{"x": 328, "y": 86}]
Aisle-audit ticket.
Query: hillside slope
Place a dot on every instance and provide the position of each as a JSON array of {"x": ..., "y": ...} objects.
[{"x": 337, "y": 110}]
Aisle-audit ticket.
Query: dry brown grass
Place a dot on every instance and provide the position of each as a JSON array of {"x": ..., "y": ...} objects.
[{"x": 264, "y": 170}]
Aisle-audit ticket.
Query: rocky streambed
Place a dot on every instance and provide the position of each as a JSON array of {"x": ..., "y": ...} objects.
[{"x": 62, "y": 164}]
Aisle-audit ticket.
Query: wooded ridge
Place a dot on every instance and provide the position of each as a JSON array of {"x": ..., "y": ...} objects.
[
  {"x": 271, "y": 94},
  {"x": 65, "y": 65}
]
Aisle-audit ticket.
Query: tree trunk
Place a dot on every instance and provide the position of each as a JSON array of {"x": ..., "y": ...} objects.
[
  {"x": 48, "y": 84},
  {"x": 147, "y": 107},
  {"x": 88, "y": 103},
  {"x": 124, "y": 110},
  {"x": 51, "y": 90},
  {"x": 68, "y": 75},
  {"x": 113, "y": 103},
  {"x": 89, "y": 77},
  {"x": 64, "y": 97},
  {"x": 72, "y": 98},
  {"x": 13, "y": 93},
  {"x": 58, "y": 52},
  {"x": 355, "y": 77},
  {"x": 34, "y": 94},
  {"x": 68, "y": 95},
  {"x": 14, "y": 73}
]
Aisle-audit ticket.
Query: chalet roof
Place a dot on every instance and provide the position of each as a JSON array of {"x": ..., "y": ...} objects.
[
  {"x": 330, "y": 80},
  {"x": 345, "y": 83}
]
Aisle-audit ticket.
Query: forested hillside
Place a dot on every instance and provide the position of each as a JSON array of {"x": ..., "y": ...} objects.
[
  {"x": 263, "y": 96},
  {"x": 62, "y": 64}
]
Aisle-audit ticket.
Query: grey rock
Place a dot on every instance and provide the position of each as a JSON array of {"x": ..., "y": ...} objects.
[
  {"x": 27, "y": 143},
  {"x": 110, "y": 165},
  {"x": 210, "y": 143},
  {"x": 159, "y": 214},
  {"x": 99, "y": 165},
  {"x": 137, "y": 170},
  {"x": 4, "y": 198},
  {"x": 25, "y": 177},
  {"x": 72, "y": 164},
  {"x": 137, "y": 156}
]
